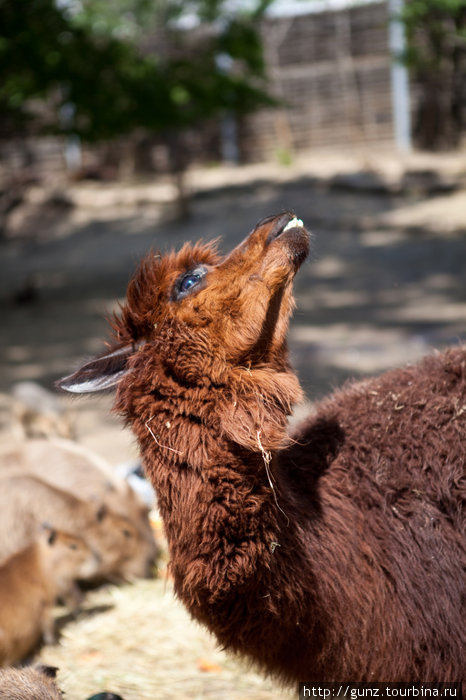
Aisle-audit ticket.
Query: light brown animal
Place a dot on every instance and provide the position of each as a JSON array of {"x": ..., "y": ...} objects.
[
  {"x": 30, "y": 583},
  {"x": 26, "y": 501},
  {"x": 74, "y": 469},
  {"x": 29, "y": 683}
]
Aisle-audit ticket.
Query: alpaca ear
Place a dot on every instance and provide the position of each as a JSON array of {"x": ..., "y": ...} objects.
[{"x": 103, "y": 372}]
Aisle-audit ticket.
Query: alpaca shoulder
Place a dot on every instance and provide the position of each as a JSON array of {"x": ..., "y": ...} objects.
[{"x": 395, "y": 441}]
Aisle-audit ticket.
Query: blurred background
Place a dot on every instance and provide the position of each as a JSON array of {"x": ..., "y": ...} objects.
[{"x": 138, "y": 124}]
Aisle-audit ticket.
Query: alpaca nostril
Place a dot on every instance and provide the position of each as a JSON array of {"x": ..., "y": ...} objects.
[{"x": 279, "y": 226}]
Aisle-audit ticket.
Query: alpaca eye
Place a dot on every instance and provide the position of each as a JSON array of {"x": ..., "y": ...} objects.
[{"x": 188, "y": 281}]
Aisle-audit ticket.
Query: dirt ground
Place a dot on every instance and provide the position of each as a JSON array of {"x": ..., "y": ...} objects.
[{"x": 385, "y": 284}]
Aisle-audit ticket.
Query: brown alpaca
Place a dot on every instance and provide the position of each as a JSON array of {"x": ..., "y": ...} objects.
[{"x": 336, "y": 553}]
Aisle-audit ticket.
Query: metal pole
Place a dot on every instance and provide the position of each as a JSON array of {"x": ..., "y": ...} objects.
[{"x": 399, "y": 77}]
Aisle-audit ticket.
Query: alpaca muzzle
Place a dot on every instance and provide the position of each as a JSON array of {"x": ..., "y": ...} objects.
[{"x": 288, "y": 232}]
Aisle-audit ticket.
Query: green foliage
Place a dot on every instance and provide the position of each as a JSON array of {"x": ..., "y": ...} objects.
[
  {"x": 435, "y": 29},
  {"x": 94, "y": 67},
  {"x": 119, "y": 18}
]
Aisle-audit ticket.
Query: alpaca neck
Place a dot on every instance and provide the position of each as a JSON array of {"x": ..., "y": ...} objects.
[
  {"x": 232, "y": 543},
  {"x": 210, "y": 446},
  {"x": 214, "y": 512},
  {"x": 211, "y": 489}
]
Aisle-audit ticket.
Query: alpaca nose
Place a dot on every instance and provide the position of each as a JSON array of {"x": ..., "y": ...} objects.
[
  {"x": 264, "y": 232},
  {"x": 279, "y": 224}
]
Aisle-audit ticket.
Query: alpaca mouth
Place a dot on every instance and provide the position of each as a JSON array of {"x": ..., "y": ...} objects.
[
  {"x": 290, "y": 231},
  {"x": 294, "y": 223}
]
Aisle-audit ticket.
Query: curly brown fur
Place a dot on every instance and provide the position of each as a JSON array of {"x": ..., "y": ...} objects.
[{"x": 335, "y": 554}]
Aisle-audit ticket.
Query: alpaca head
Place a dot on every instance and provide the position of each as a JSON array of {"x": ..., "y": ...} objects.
[{"x": 203, "y": 315}]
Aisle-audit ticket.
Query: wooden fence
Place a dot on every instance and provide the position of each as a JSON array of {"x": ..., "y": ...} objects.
[{"x": 331, "y": 70}]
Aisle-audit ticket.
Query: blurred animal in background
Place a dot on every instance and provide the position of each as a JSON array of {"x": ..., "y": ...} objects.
[
  {"x": 68, "y": 486},
  {"x": 36, "y": 413},
  {"x": 84, "y": 489},
  {"x": 31, "y": 581},
  {"x": 72, "y": 467},
  {"x": 335, "y": 552},
  {"x": 26, "y": 500},
  {"x": 29, "y": 683}
]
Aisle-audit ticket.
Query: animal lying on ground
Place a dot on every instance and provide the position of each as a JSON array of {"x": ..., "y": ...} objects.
[
  {"x": 334, "y": 553},
  {"x": 30, "y": 583},
  {"x": 29, "y": 683},
  {"x": 26, "y": 501},
  {"x": 73, "y": 469}
]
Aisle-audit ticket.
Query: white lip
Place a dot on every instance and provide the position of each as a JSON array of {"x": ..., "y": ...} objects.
[{"x": 294, "y": 223}]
